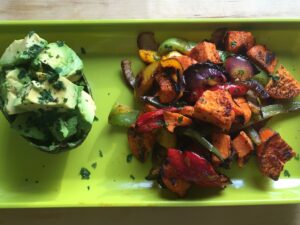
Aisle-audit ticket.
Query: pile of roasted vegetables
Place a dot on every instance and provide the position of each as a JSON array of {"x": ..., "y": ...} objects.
[{"x": 204, "y": 105}]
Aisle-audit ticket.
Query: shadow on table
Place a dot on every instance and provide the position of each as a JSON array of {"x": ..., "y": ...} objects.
[{"x": 231, "y": 215}]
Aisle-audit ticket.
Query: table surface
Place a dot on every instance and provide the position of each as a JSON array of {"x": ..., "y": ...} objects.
[{"x": 115, "y": 9}]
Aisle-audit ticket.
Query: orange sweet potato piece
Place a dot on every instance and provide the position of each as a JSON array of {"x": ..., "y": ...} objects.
[
  {"x": 243, "y": 146},
  {"x": 173, "y": 182},
  {"x": 215, "y": 107},
  {"x": 222, "y": 142},
  {"x": 244, "y": 106},
  {"x": 273, "y": 153},
  {"x": 173, "y": 120},
  {"x": 166, "y": 93},
  {"x": 285, "y": 87},
  {"x": 263, "y": 57},
  {"x": 140, "y": 144},
  {"x": 205, "y": 51},
  {"x": 185, "y": 61},
  {"x": 187, "y": 111},
  {"x": 238, "y": 41}
]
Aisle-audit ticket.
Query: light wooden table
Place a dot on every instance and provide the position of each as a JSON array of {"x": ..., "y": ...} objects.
[{"x": 108, "y": 9}]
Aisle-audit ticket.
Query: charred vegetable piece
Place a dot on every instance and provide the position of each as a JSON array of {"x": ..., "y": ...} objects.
[
  {"x": 235, "y": 90},
  {"x": 140, "y": 144},
  {"x": 146, "y": 40},
  {"x": 173, "y": 120},
  {"x": 127, "y": 72},
  {"x": 193, "y": 168},
  {"x": 200, "y": 76},
  {"x": 148, "y": 56},
  {"x": 215, "y": 107},
  {"x": 238, "y": 41},
  {"x": 205, "y": 52},
  {"x": 283, "y": 85},
  {"x": 218, "y": 37},
  {"x": 254, "y": 135},
  {"x": 151, "y": 121},
  {"x": 198, "y": 137},
  {"x": 277, "y": 109},
  {"x": 263, "y": 57},
  {"x": 243, "y": 146},
  {"x": 167, "y": 91},
  {"x": 145, "y": 79},
  {"x": 173, "y": 182},
  {"x": 239, "y": 68},
  {"x": 257, "y": 88},
  {"x": 273, "y": 153},
  {"x": 175, "y": 44},
  {"x": 122, "y": 115},
  {"x": 221, "y": 141}
]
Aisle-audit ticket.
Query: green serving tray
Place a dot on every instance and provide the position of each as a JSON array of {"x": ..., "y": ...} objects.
[{"x": 31, "y": 178}]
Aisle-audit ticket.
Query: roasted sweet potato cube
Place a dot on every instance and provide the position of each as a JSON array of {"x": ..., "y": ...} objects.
[
  {"x": 263, "y": 58},
  {"x": 244, "y": 106},
  {"x": 185, "y": 61},
  {"x": 283, "y": 85},
  {"x": 272, "y": 153},
  {"x": 140, "y": 144},
  {"x": 166, "y": 93},
  {"x": 243, "y": 146},
  {"x": 205, "y": 51},
  {"x": 222, "y": 142},
  {"x": 173, "y": 120},
  {"x": 187, "y": 111},
  {"x": 215, "y": 107},
  {"x": 239, "y": 41}
]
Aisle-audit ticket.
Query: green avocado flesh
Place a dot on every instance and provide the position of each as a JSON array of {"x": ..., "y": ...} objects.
[{"x": 40, "y": 93}]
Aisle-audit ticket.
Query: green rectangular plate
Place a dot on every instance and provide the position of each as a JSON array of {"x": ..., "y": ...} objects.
[{"x": 30, "y": 178}]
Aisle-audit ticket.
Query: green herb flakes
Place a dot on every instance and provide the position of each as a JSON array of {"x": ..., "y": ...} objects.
[
  {"x": 100, "y": 154},
  {"x": 129, "y": 158},
  {"x": 82, "y": 50},
  {"x": 46, "y": 97},
  {"x": 94, "y": 165},
  {"x": 84, "y": 173},
  {"x": 60, "y": 43},
  {"x": 233, "y": 44},
  {"x": 180, "y": 119},
  {"x": 297, "y": 157},
  {"x": 286, "y": 173},
  {"x": 132, "y": 177}
]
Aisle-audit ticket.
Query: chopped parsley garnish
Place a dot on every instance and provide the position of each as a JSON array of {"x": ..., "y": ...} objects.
[
  {"x": 132, "y": 177},
  {"x": 26, "y": 179},
  {"x": 275, "y": 78},
  {"x": 57, "y": 57},
  {"x": 88, "y": 187},
  {"x": 129, "y": 158},
  {"x": 94, "y": 165},
  {"x": 46, "y": 97},
  {"x": 84, "y": 173},
  {"x": 83, "y": 51},
  {"x": 36, "y": 181},
  {"x": 60, "y": 43},
  {"x": 297, "y": 157},
  {"x": 233, "y": 43},
  {"x": 58, "y": 70},
  {"x": 100, "y": 153},
  {"x": 241, "y": 72},
  {"x": 30, "y": 34},
  {"x": 22, "y": 74},
  {"x": 286, "y": 173},
  {"x": 59, "y": 85},
  {"x": 180, "y": 119},
  {"x": 96, "y": 119}
]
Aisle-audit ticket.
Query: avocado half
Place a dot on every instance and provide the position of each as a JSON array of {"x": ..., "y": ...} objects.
[{"x": 45, "y": 95}]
